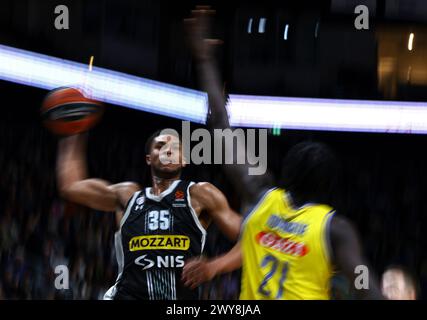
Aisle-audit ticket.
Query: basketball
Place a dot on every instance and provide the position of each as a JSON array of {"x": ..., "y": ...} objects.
[{"x": 66, "y": 111}]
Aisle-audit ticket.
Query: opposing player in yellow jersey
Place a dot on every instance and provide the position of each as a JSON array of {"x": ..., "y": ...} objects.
[
  {"x": 291, "y": 242},
  {"x": 286, "y": 254}
]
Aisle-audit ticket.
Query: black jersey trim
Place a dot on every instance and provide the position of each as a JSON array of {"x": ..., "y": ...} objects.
[
  {"x": 196, "y": 218},
  {"x": 110, "y": 294}
]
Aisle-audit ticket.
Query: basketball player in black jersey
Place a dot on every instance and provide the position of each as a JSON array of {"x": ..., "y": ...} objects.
[{"x": 160, "y": 227}]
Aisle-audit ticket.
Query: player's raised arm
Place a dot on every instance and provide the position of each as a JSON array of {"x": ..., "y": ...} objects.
[
  {"x": 73, "y": 183},
  {"x": 249, "y": 186},
  {"x": 347, "y": 256}
]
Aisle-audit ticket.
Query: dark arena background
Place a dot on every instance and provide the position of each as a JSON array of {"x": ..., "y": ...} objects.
[{"x": 384, "y": 175}]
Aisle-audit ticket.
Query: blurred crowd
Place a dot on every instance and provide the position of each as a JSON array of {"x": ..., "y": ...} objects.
[{"x": 36, "y": 235}]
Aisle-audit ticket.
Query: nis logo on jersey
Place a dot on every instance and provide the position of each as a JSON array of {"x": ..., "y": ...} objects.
[
  {"x": 160, "y": 262},
  {"x": 159, "y": 242}
]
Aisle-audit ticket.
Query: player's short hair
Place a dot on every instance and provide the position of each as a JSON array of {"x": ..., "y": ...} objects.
[
  {"x": 310, "y": 173},
  {"x": 408, "y": 276},
  {"x": 149, "y": 141}
]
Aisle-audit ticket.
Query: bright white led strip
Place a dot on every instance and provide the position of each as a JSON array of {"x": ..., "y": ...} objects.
[
  {"x": 328, "y": 114},
  {"x": 105, "y": 85},
  {"x": 246, "y": 111}
]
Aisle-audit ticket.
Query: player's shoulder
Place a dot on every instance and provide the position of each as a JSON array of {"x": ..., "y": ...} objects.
[
  {"x": 130, "y": 184},
  {"x": 125, "y": 190},
  {"x": 203, "y": 187},
  {"x": 340, "y": 222},
  {"x": 341, "y": 229},
  {"x": 206, "y": 192},
  {"x": 126, "y": 185}
]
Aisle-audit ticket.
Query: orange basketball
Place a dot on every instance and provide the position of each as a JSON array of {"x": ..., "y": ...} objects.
[{"x": 66, "y": 111}]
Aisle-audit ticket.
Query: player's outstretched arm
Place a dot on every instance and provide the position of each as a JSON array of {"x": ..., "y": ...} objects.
[
  {"x": 249, "y": 186},
  {"x": 347, "y": 255},
  {"x": 215, "y": 204},
  {"x": 75, "y": 187},
  {"x": 200, "y": 270}
]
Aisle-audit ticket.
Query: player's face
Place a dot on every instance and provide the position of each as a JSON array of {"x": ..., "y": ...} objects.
[
  {"x": 394, "y": 287},
  {"x": 166, "y": 156}
]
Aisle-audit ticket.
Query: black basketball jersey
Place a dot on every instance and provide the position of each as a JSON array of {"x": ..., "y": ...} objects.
[{"x": 157, "y": 235}]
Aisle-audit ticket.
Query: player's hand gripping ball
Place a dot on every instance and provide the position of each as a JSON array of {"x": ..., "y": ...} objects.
[{"x": 66, "y": 111}]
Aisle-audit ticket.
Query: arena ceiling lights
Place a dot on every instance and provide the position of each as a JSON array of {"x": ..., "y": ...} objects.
[
  {"x": 117, "y": 88},
  {"x": 113, "y": 87},
  {"x": 328, "y": 114}
]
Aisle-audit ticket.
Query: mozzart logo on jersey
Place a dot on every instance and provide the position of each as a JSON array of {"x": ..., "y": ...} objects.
[
  {"x": 159, "y": 242},
  {"x": 273, "y": 241}
]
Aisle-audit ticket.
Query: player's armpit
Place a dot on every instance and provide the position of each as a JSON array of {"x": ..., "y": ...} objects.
[
  {"x": 213, "y": 201},
  {"x": 124, "y": 191},
  {"x": 347, "y": 255}
]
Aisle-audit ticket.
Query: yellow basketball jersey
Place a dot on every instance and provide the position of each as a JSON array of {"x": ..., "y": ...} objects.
[{"x": 285, "y": 251}]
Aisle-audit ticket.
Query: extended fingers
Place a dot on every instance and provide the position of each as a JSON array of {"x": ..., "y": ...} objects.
[{"x": 191, "y": 271}]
